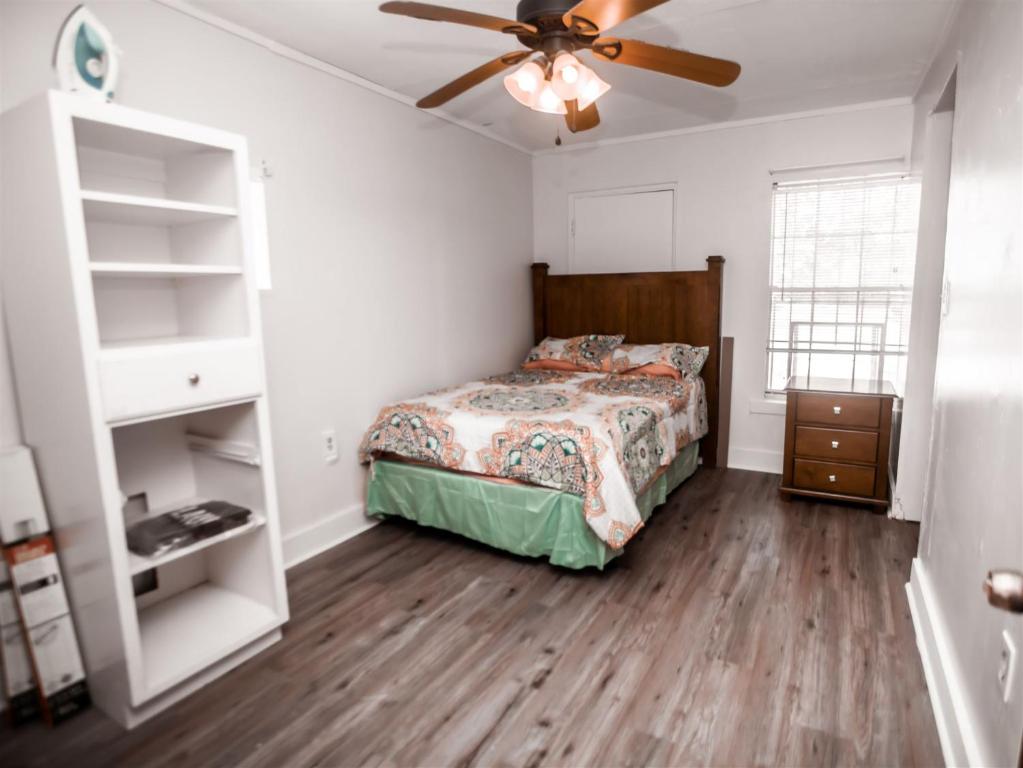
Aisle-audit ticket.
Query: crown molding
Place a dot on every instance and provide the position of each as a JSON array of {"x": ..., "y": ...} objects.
[
  {"x": 727, "y": 125},
  {"x": 297, "y": 56},
  {"x": 279, "y": 49}
]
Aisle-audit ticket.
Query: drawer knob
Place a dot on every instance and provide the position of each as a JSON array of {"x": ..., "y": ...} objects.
[
  {"x": 193, "y": 379},
  {"x": 834, "y": 444},
  {"x": 832, "y": 478},
  {"x": 837, "y": 409}
]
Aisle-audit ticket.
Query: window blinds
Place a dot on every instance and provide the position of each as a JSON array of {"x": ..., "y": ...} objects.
[{"x": 842, "y": 255}]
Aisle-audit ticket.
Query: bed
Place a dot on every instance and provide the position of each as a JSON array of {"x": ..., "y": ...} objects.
[{"x": 563, "y": 465}]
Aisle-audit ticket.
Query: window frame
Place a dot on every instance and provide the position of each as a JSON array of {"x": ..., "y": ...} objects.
[{"x": 856, "y": 349}]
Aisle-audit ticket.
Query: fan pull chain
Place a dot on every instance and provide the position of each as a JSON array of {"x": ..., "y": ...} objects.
[{"x": 557, "y": 136}]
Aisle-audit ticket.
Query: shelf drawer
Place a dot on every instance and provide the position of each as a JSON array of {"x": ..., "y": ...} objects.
[
  {"x": 146, "y": 381},
  {"x": 836, "y": 444},
  {"x": 831, "y": 477},
  {"x": 838, "y": 410}
]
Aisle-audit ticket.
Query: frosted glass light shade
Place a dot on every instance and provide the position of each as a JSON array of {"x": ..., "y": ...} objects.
[
  {"x": 524, "y": 83},
  {"x": 548, "y": 101},
  {"x": 567, "y": 74},
  {"x": 591, "y": 89}
]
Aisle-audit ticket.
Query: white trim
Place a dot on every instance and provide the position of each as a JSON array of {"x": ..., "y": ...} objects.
[
  {"x": 756, "y": 460},
  {"x": 952, "y": 712},
  {"x": 324, "y": 534},
  {"x": 665, "y": 186},
  {"x": 767, "y": 405},
  {"x": 727, "y": 124},
  {"x": 899, "y": 161},
  {"x": 329, "y": 69}
]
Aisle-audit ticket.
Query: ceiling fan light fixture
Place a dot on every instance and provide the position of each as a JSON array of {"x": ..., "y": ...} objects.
[
  {"x": 525, "y": 83},
  {"x": 591, "y": 88},
  {"x": 567, "y": 74},
  {"x": 548, "y": 101}
]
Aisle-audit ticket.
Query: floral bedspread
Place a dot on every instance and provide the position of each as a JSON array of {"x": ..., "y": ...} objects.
[{"x": 603, "y": 437}]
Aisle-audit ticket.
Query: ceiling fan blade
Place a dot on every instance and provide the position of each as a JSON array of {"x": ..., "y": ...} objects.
[
  {"x": 581, "y": 120},
  {"x": 458, "y": 16},
  {"x": 691, "y": 66},
  {"x": 591, "y": 17},
  {"x": 469, "y": 79}
]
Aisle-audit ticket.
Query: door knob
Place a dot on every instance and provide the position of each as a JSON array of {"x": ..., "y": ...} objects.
[
  {"x": 193, "y": 379},
  {"x": 1004, "y": 589}
]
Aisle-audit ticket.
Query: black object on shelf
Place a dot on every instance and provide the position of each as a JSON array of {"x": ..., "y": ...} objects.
[{"x": 185, "y": 526}]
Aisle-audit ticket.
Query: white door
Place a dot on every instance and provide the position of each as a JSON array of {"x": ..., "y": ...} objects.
[{"x": 622, "y": 231}]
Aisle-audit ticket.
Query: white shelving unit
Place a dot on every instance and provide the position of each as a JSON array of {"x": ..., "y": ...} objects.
[{"x": 134, "y": 327}]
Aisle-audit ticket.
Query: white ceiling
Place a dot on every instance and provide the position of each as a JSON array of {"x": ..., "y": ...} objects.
[{"x": 796, "y": 55}]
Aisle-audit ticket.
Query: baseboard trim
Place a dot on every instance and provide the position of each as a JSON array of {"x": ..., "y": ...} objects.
[
  {"x": 756, "y": 460},
  {"x": 324, "y": 534},
  {"x": 952, "y": 713}
]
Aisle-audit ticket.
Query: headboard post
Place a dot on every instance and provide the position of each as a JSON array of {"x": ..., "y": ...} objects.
[
  {"x": 712, "y": 373},
  {"x": 539, "y": 301}
]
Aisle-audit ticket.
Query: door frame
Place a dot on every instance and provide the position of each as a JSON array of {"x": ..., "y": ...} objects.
[{"x": 665, "y": 186}]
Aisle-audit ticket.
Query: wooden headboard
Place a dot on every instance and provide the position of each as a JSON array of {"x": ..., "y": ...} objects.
[{"x": 649, "y": 308}]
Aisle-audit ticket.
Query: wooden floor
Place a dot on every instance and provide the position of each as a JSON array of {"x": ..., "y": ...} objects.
[{"x": 736, "y": 630}]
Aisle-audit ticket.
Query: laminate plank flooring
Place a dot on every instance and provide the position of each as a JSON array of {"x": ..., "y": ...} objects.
[{"x": 736, "y": 630}]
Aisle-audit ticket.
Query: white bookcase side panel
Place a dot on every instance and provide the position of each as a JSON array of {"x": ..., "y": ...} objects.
[{"x": 48, "y": 307}]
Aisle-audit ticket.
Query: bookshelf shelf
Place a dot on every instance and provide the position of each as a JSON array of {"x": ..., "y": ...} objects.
[
  {"x": 118, "y": 208},
  {"x": 123, "y": 269},
  {"x": 139, "y": 563},
  {"x": 179, "y": 635}
]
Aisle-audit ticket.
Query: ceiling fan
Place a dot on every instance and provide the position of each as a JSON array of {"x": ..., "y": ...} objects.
[{"x": 556, "y": 81}]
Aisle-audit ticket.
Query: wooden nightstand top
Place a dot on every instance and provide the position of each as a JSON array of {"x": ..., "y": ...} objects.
[{"x": 880, "y": 388}]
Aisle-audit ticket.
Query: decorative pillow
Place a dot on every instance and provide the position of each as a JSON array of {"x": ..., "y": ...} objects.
[
  {"x": 579, "y": 353},
  {"x": 675, "y": 360}
]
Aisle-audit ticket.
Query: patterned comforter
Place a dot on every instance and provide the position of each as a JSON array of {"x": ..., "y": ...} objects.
[{"x": 603, "y": 437}]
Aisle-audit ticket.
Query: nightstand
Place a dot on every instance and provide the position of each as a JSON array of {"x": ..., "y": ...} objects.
[{"x": 837, "y": 439}]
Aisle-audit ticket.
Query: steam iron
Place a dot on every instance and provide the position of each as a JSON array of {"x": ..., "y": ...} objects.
[{"x": 85, "y": 57}]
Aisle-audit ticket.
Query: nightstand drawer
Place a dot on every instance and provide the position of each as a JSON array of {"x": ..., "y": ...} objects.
[
  {"x": 146, "y": 381},
  {"x": 830, "y": 477},
  {"x": 836, "y": 444},
  {"x": 838, "y": 410}
]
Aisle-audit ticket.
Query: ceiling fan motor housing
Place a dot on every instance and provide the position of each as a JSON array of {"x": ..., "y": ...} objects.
[
  {"x": 554, "y": 37},
  {"x": 530, "y": 11}
]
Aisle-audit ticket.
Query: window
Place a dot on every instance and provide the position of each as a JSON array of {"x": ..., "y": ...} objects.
[{"x": 842, "y": 255}]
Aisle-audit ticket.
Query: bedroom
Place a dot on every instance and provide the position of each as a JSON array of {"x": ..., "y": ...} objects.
[{"x": 383, "y": 251}]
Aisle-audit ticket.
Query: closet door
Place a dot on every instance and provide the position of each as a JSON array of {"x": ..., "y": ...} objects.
[{"x": 631, "y": 230}]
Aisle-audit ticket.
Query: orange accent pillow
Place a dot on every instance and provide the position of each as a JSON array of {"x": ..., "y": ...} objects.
[
  {"x": 552, "y": 365},
  {"x": 654, "y": 369}
]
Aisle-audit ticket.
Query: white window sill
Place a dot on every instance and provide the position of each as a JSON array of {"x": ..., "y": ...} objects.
[{"x": 770, "y": 405}]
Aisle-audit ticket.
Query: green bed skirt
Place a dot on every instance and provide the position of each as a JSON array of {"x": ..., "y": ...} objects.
[{"x": 522, "y": 519}]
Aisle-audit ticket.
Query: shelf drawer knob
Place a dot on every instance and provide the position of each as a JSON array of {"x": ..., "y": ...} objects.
[
  {"x": 837, "y": 409},
  {"x": 834, "y": 444},
  {"x": 193, "y": 379},
  {"x": 832, "y": 478}
]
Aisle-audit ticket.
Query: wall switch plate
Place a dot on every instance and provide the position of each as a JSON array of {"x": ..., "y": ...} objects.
[
  {"x": 329, "y": 445},
  {"x": 1007, "y": 666}
]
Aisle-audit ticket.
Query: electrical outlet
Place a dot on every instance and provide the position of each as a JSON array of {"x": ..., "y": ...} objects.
[
  {"x": 329, "y": 446},
  {"x": 1007, "y": 666}
]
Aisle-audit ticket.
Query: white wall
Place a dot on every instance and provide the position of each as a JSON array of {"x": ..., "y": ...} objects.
[
  {"x": 723, "y": 207},
  {"x": 395, "y": 268},
  {"x": 973, "y": 520}
]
